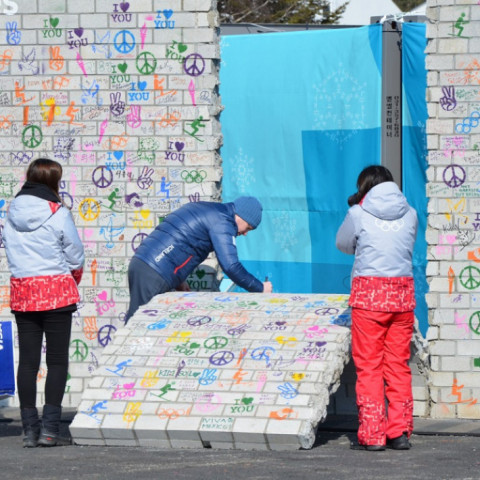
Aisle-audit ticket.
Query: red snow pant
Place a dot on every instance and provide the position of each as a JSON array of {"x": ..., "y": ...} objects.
[{"x": 381, "y": 351}]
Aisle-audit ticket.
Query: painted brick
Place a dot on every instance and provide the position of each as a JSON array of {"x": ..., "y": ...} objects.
[
  {"x": 454, "y": 45},
  {"x": 439, "y": 126},
  {"x": 443, "y": 410},
  {"x": 440, "y": 62},
  {"x": 448, "y": 64},
  {"x": 197, "y": 5},
  {"x": 200, "y": 35},
  {"x": 440, "y": 347},
  {"x": 420, "y": 393},
  {"x": 449, "y": 13},
  {"x": 421, "y": 409},
  {"x": 85, "y": 428},
  {"x": 456, "y": 364},
  {"x": 205, "y": 403},
  {"x": 114, "y": 427},
  {"x": 441, "y": 379}
]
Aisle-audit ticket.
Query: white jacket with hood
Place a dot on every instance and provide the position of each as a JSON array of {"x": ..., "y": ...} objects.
[
  {"x": 44, "y": 252},
  {"x": 380, "y": 232}
]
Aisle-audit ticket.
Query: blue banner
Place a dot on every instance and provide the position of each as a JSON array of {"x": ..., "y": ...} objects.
[
  {"x": 414, "y": 154},
  {"x": 302, "y": 118},
  {"x": 7, "y": 368}
]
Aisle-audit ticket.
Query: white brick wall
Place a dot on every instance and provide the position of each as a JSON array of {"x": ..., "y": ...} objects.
[
  {"x": 135, "y": 148},
  {"x": 37, "y": 56},
  {"x": 453, "y": 61}
]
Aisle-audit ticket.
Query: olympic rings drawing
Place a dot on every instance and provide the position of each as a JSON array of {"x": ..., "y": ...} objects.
[
  {"x": 468, "y": 123},
  {"x": 389, "y": 225},
  {"x": 194, "y": 176},
  {"x": 171, "y": 413}
]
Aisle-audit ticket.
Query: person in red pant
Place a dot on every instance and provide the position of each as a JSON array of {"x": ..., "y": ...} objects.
[{"x": 380, "y": 230}]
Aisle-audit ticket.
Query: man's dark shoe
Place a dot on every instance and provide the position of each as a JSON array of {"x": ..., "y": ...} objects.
[
  {"x": 369, "y": 448},
  {"x": 399, "y": 443}
]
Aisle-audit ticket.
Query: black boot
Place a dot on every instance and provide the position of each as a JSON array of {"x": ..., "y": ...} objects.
[
  {"x": 31, "y": 427},
  {"x": 50, "y": 432},
  {"x": 399, "y": 443}
]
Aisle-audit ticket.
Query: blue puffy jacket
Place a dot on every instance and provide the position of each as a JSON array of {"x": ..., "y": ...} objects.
[{"x": 187, "y": 236}]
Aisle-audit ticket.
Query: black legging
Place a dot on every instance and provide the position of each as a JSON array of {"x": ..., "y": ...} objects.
[{"x": 57, "y": 326}]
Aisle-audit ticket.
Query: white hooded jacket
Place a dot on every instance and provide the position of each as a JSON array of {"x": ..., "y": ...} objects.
[
  {"x": 44, "y": 254},
  {"x": 381, "y": 232}
]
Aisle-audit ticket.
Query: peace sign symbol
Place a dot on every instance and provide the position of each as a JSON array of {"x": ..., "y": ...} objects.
[
  {"x": 454, "y": 176},
  {"x": 81, "y": 350},
  {"x": 214, "y": 343},
  {"x": 467, "y": 277},
  {"x": 238, "y": 330},
  {"x": 262, "y": 353},
  {"x": 32, "y": 136},
  {"x": 89, "y": 209},
  {"x": 221, "y": 358},
  {"x": 148, "y": 63},
  {"x": 137, "y": 240},
  {"x": 102, "y": 177},
  {"x": 105, "y": 335},
  {"x": 191, "y": 67},
  {"x": 67, "y": 199},
  {"x": 124, "y": 41},
  {"x": 474, "y": 323},
  {"x": 199, "y": 321}
]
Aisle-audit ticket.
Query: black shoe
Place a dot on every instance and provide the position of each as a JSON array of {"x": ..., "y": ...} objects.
[
  {"x": 31, "y": 427},
  {"x": 47, "y": 439},
  {"x": 399, "y": 443},
  {"x": 369, "y": 448},
  {"x": 50, "y": 432},
  {"x": 30, "y": 440}
]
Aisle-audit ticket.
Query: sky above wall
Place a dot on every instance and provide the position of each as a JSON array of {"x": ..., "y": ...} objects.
[{"x": 358, "y": 12}]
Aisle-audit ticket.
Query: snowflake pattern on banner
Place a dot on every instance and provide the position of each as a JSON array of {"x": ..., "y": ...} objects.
[
  {"x": 339, "y": 106},
  {"x": 423, "y": 128},
  {"x": 242, "y": 171},
  {"x": 223, "y": 44},
  {"x": 285, "y": 231}
]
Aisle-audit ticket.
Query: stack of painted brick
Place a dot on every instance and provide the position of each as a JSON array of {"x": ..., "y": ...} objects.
[{"x": 221, "y": 370}]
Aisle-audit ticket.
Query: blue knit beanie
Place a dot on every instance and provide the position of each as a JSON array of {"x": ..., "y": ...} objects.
[{"x": 249, "y": 209}]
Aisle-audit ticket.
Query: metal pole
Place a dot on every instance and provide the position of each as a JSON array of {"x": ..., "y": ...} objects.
[{"x": 391, "y": 151}]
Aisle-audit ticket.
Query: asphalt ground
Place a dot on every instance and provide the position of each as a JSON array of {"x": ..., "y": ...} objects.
[{"x": 440, "y": 450}]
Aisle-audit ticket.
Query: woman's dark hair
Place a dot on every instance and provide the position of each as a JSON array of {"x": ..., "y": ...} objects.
[
  {"x": 368, "y": 178},
  {"x": 47, "y": 172}
]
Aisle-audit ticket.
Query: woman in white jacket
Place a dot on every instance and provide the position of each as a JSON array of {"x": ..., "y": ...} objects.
[
  {"x": 45, "y": 257},
  {"x": 380, "y": 230}
]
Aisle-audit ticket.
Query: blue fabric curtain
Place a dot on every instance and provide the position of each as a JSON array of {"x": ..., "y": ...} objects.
[
  {"x": 302, "y": 118},
  {"x": 414, "y": 152}
]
